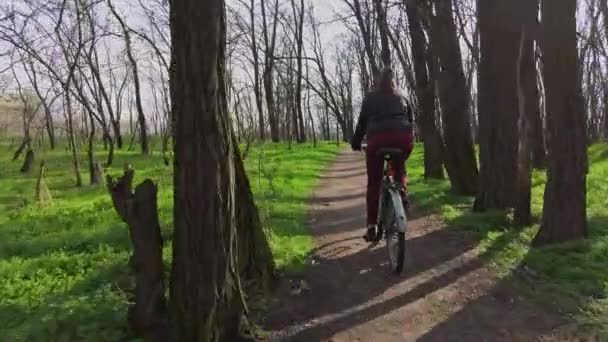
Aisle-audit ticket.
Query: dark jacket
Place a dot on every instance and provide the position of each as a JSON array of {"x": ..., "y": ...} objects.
[{"x": 382, "y": 112}]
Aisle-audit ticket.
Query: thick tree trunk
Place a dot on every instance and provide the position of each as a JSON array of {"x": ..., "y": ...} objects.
[
  {"x": 527, "y": 93},
  {"x": 206, "y": 298},
  {"x": 255, "y": 257},
  {"x": 500, "y": 33},
  {"x": 24, "y": 143},
  {"x": 459, "y": 154},
  {"x": 117, "y": 133},
  {"x": 564, "y": 212},
  {"x": 28, "y": 162},
  {"x": 425, "y": 92},
  {"x": 539, "y": 147},
  {"x": 606, "y": 111}
]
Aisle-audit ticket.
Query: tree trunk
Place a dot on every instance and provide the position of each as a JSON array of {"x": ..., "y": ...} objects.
[
  {"x": 459, "y": 154},
  {"x": 117, "y": 133},
  {"x": 366, "y": 35},
  {"x": 299, "y": 16},
  {"x": 255, "y": 257},
  {"x": 72, "y": 137},
  {"x": 24, "y": 143},
  {"x": 309, "y": 111},
  {"x": 206, "y": 298},
  {"x": 527, "y": 93},
  {"x": 384, "y": 33},
  {"x": 50, "y": 127},
  {"x": 564, "y": 212},
  {"x": 28, "y": 162},
  {"x": 539, "y": 149},
  {"x": 91, "y": 152},
  {"x": 500, "y": 32},
  {"x": 141, "y": 117},
  {"x": 256, "y": 74},
  {"x": 148, "y": 316},
  {"x": 606, "y": 111},
  {"x": 425, "y": 92},
  {"x": 270, "y": 41}
]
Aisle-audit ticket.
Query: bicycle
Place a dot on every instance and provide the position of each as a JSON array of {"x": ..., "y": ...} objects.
[{"x": 392, "y": 217}]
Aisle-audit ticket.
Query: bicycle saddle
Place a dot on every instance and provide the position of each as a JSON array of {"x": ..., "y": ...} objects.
[{"x": 392, "y": 152}]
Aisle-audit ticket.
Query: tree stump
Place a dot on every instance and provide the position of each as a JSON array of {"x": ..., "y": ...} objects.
[
  {"x": 148, "y": 317},
  {"x": 97, "y": 176},
  {"x": 43, "y": 195},
  {"x": 28, "y": 162}
]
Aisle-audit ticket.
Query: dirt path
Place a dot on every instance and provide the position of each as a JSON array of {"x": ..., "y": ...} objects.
[{"x": 445, "y": 294}]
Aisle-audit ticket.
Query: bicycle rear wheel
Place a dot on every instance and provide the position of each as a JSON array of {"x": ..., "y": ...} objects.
[
  {"x": 394, "y": 226},
  {"x": 395, "y": 246}
]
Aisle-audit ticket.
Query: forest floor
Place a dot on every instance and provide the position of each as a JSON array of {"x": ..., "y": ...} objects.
[
  {"x": 63, "y": 264},
  {"x": 449, "y": 290}
]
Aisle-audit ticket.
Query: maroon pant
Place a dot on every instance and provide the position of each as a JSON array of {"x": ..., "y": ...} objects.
[{"x": 375, "y": 166}]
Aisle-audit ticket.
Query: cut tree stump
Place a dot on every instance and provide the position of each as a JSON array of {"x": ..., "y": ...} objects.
[{"x": 148, "y": 317}]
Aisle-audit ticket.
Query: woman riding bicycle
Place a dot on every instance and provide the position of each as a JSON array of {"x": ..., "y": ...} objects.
[{"x": 386, "y": 120}]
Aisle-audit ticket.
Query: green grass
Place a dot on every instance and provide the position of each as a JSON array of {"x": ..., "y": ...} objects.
[
  {"x": 571, "y": 277},
  {"x": 63, "y": 267}
]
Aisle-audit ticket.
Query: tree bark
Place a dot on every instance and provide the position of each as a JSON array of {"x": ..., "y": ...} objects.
[
  {"x": 604, "y": 10},
  {"x": 300, "y": 55},
  {"x": 91, "y": 151},
  {"x": 459, "y": 153},
  {"x": 270, "y": 42},
  {"x": 564, "y": 212},
  {"x": 500, "y": 33},
  {"x": 72, "y": 137},
  {"x": 539, "y": 149},
  {"x": 257, "y": 88},
  {"x": 148, "y": 316},
  {"x": 28, "y": 162},
  {"x": 527, "y": 94},
  {"x": 425, "y": 92},
  {"x": 206, "y": 298},
  {"x": 255, "y": 257},
  {"x": 384, "y": 33}
]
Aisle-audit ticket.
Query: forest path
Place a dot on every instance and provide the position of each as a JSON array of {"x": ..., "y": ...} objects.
[{"x": 445, "y": 294}]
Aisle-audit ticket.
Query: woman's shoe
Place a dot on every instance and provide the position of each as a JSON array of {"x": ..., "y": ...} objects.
[{"x": 371, "y": 233}]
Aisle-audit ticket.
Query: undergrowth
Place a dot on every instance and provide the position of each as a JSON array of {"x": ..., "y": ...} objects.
[
  {"x": 63, "y": 266},
  {"x": 571, "y": 277}
]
